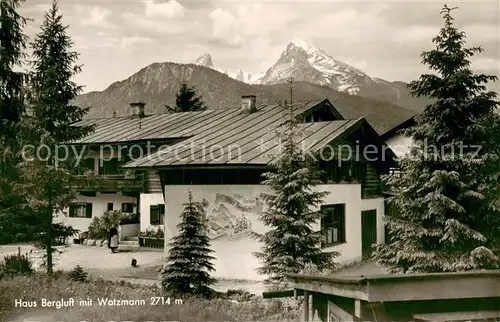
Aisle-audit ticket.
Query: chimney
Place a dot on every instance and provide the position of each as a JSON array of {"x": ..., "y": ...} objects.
[
  {"x": 138, "y": 109},
  {"x": 248, "y": 104}
]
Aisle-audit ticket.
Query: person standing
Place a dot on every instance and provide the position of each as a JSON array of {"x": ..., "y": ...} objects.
[{"x": 113, "y": 239}]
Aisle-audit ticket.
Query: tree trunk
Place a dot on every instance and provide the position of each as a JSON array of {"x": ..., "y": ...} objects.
[{"x": 49, "y": 242}]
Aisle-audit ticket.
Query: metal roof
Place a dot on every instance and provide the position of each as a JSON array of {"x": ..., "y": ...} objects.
[
  {"x": 251, "y": 142},
  {"x": 174, "y": 125},
  {"x": 214, "y": 137}
]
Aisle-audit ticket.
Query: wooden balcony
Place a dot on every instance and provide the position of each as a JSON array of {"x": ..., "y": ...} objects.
[{"x": 116, "y": 182}]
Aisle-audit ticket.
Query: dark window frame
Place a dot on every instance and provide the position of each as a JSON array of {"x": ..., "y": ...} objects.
[
  {"x": 159, "y": 214},
  {"x": 334, "y": 218},
  {"x": 108, "y": 206},
  {"x": 86, "y": 164},
  {"x": 345, "y": 172},
  {"x": 109, "y": 167},
  {"x": 74, "y": 207},
  {"x": 126, "y": 206}
]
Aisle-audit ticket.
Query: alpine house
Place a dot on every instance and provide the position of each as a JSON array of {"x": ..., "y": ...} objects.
[{"x": 220, "y": 155}]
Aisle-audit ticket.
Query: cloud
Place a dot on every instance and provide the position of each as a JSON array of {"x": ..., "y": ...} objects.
[
  {"x": 95, "y": 16},
  {"x": 148, "y": 25},
  {"x": 135, "y": 40},
  {"x": 224, "y": 28},
  {"x": 482, "y": 32},
  {"x": 236, "y": 23},
  {"x": 486, "y": 64},
  {"x": 169, "y": 10},
  {"x": 415, "y": 35}
]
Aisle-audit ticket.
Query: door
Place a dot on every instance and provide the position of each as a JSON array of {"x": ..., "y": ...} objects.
[{"x": 368, "y": 232}]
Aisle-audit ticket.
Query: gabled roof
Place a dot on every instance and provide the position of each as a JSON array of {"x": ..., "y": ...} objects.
[
  {"x": 401, "y": 126},
  {"x": 180, "y": 125},
  {"x": 252, "y": 142}
]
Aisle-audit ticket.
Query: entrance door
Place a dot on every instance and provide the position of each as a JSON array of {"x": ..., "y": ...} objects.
[{"x": 368, "y": 232}]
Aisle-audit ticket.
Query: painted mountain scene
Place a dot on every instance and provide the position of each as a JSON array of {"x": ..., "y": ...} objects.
[{"x": 231, "y": 217}]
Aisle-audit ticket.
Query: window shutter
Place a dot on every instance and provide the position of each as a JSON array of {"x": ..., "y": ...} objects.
[
  {"x": 72, "y": 210},
  {"x": 161, "y": 209},
  {"x": 154, "y": 215},
  {"x": 88, "y": 210}
]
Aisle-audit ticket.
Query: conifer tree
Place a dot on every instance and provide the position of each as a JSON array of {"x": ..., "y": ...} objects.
[
  {"x": 12, "y": 106},
  {"x": 51, "y": 82},
  {"x": 444, "y": 218},
  {"x": 51, "y": 181},
  {"x": 291, "y": 244},
  {"x": 187, "y": 100},
  {"x": 12, "y": 47},
  {"x": 189, "y": 262}
]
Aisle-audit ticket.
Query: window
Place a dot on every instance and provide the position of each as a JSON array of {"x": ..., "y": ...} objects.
[
  {"x": 128, "y": 207},
  {"x": 156, "y": 214},
  {"x": 343, "y": 171},
  {"x": 85, "y": 165},
  {"x": 110, "y": 206},
  {"x": 80, "y": 210},
  {"x": 333, "y": 224},
  {"x": 109, "y": 167}
]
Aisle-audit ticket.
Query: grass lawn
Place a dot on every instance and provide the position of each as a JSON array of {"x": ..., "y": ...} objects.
[{"x": 37, "y": 287}]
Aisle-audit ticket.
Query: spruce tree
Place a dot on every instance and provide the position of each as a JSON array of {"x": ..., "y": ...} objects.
[
  {"x": 445, "y": 217},
  {"x": 12, "y": 54},
  {"x": 187, "y": 100},
  {"x": 51, "y": 182},
  {"x": 12, "y": 106},
  {"x": 291, "y": 244},
  {"x": 189, "y": 262},
  {"x": 51, "y": 82}
]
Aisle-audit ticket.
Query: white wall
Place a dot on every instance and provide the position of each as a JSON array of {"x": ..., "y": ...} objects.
[
  {"x": 99, "y": 206},
  {"x": 399, "y": 144},
  {"x": 130, "y": 230},
  {"x": 234, "y": 257},
  {"x": 148, "y": 199}
]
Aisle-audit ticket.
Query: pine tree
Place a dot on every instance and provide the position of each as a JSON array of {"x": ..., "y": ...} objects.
[
  {"x": 445, "y": 218},
  {"x": 291, "y": 243},
  {"x": 12, "y": 47},
  {"x": 50, "y": 183},
  {"x": 189, "y": 259},
  {"x": 187, "y": 100},
  {"x": 12, "y": 106},
  {"x": 52, "y": 85}
]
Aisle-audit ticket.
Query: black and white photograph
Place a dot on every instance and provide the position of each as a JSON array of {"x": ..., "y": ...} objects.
[{"x": 249, "y": 160}]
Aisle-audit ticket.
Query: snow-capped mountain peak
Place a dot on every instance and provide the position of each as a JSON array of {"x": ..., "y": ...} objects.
[
  {"x": 299, "y": 43},
  {"x": 240, "y": 76},
  {"x": 204, "y": 60},
  {"x": 306, "y": 62}
]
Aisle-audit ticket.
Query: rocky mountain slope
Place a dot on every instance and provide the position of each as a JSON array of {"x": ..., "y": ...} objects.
[
  {"x": 306, "y": 62},
  {"x": 158, "y": 83}
]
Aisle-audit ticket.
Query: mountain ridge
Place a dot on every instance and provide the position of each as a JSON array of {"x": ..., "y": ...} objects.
[
  {"x": 306, "y": 62},
  {"x": 158, "y": 83}
]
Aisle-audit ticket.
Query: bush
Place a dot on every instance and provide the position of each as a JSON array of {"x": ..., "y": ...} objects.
[
  {"x": 152, "y": 233},
  {"x": 100, "y": 226},
  {"x": 79, "y": 275},
  {"x": 17, "y": 264},
  {"x": 130, "y": 219}
]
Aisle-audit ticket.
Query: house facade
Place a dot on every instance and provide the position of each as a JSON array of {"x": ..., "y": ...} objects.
[
  {"x": 149, "y": 162},
  {"x": 132, "y": 192},
  {"x": 222, "y": 159}
]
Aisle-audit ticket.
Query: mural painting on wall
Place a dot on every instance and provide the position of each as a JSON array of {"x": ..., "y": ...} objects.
[{"x": 231, "y": 216}]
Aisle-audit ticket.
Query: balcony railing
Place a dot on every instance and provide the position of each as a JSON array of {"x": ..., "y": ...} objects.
[{"x": 116, "y": 182}]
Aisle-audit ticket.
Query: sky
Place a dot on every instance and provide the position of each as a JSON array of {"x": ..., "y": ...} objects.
[{"x": 117, "y": 38}]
